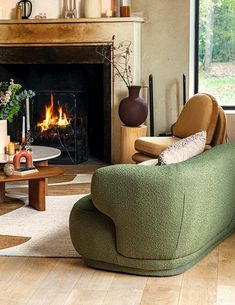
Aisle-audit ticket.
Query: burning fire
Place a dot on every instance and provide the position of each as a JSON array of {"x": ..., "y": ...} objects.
[{"x": 52, "y": 120}]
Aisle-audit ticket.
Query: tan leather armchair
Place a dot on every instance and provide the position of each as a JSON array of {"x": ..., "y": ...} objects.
[{"x": 201, "y": 112}]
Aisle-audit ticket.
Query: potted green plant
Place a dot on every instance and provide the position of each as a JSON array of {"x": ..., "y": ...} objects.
[{"x": 11, "y": 97}]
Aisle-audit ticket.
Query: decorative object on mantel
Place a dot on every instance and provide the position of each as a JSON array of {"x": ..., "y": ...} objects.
[
  {"x": 11, "y": 97},
  {"x": 71, "y": 9},
  {"x": 125, "y": 8},
  {"x": 19, "y": 10},
  {"x": 92, "y": 8},
  {"x": 41, "y": 16},
  {"x": 109, "y": 8},
  {"x": 133, "y": 110},
  {"x": 26, "y": 8}
]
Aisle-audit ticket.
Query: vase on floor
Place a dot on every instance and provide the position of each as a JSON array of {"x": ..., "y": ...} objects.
[
  {"x": 133, "y": 110},
  {"x": 4, "y": 139}
]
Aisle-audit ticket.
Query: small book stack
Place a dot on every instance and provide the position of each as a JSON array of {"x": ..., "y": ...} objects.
[{"x": 25, "y": 171}]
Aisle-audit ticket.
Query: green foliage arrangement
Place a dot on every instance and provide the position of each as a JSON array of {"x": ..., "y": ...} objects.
[{"x": 11, "y": 97}]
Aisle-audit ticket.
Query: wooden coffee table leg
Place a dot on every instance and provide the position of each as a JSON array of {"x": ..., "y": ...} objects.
[
  {"x": 43, "y": 163},
  {"x": 2, "y": 192},
  {"x": 37, "y": 194}
]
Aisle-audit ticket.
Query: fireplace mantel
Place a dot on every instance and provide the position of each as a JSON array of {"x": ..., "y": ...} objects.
[{"x": 83, "y": 31}]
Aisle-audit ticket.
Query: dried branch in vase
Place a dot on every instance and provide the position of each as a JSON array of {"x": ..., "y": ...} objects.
[{"x": 119, "y": 56}]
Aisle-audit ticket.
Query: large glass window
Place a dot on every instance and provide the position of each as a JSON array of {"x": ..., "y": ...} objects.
[{"x": 216, "y": 50}]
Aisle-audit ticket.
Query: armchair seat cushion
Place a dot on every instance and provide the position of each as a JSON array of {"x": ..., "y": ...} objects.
[{"x": 154, "y": 146}]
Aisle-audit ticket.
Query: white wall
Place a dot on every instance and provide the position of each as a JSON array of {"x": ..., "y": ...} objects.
[
  {"x": 165, "y": 49},
  {"x": 165, "y": 54}
]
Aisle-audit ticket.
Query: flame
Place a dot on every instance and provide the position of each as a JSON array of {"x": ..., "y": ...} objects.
[{"x": 52, "y": 120}]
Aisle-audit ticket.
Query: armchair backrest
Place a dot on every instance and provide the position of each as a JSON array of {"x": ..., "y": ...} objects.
[
  {"x": 220, "y": 133},
  {"x": 199, "y": 113}
]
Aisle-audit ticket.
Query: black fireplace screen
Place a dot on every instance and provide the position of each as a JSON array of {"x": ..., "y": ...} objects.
[{"x": 60, "y": 121}]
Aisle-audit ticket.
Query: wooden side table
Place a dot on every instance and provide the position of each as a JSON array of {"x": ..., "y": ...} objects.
[
  {"x": 128, "y": 137},
  {"x": 37, "y": 185}
]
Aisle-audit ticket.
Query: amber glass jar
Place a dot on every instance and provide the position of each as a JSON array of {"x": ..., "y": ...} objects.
[{"x": 125, "y": 8}]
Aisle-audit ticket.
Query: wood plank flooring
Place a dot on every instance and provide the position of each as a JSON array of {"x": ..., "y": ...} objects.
[{"x": 53, "y": 281}]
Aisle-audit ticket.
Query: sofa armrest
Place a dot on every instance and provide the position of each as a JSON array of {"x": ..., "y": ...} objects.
[{"x": 146, "y": 205}]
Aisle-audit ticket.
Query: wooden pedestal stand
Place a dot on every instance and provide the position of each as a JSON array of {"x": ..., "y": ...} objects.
[{"x": 128, "y": 137}]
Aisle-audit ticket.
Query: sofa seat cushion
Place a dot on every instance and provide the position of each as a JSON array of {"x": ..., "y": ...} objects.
[{"x": 154, "y": 146}]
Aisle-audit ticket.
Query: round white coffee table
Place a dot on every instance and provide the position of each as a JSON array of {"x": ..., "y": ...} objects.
[{"x": 40, "y": 154}]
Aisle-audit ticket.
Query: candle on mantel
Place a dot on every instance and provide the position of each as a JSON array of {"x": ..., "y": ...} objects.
[
  {"x": 125, "y": 8},
  {"x": 1, "y": 12},
  {"x": 92, "y": 8},
  {"x": 23, "y": 129},
  {"x": 27, "y": 114},
  {"x": 108, "y": 8}
]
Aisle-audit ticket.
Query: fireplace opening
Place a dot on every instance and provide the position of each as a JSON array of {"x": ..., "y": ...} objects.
[
  {"x": 72, "y": 107},
  {"x": 60, "y": 121}
]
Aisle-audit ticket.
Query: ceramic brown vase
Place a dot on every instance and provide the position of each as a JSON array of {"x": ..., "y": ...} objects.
[{"x": 133, "y": 110}]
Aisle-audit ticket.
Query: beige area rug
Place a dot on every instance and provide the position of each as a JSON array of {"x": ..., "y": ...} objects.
[
  {"x": 27, "y": 232},
  {"x": 49, "y": 230}
]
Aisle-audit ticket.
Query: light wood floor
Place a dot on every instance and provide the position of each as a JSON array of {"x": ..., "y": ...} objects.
[{"x": 51, "y": 281}]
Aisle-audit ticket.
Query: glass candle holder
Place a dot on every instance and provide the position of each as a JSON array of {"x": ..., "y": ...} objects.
[
  {"x": 125, "y": 8},
  {"x": 108, "y": 8}
]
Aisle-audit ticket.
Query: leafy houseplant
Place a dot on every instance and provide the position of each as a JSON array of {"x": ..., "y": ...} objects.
[
  {"x": 11, "y": 97},
  {"x": 133, "y": 109}
]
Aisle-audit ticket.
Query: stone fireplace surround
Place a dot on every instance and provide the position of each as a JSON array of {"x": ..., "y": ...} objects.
[{"x": 82, "y": 32}]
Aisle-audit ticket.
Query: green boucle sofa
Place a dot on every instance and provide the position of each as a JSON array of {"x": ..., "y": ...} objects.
[{"x": 156, "y": 220}]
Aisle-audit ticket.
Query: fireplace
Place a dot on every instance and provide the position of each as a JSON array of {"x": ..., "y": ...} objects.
[
  {"x": 71, "y": 110},
  {"x": 67, "y": 39}
]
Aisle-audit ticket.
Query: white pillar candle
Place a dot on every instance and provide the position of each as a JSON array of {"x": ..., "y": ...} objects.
[
  {"x": 23, "y": 128},
  {"x": 27, "y": 114},
  {"x": 1, "y": 12},
  {"x": 92, "y": 8},
  {"x": 3, "y": 135}
]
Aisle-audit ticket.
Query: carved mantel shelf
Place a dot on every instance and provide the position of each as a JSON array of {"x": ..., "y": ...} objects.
[
  {"x": 79, "y": 32},
  {"x": 64, "y": 31}
]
